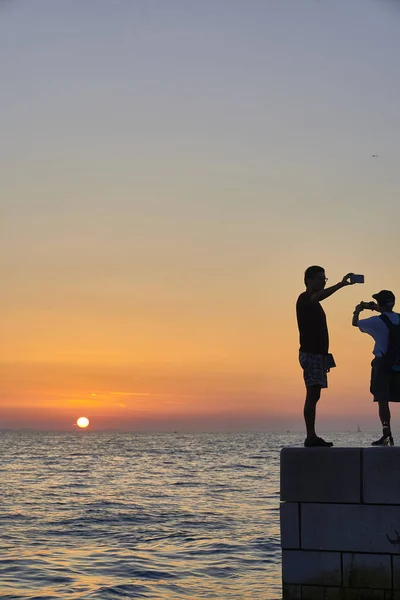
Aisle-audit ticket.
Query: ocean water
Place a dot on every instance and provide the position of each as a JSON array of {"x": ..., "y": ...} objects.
[{"x": 123, "y": 515}]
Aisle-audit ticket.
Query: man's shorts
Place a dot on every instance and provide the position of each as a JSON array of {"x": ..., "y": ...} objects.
[
  {"x": 385, "y": 383},
  {"x": 314, "y": 369}
]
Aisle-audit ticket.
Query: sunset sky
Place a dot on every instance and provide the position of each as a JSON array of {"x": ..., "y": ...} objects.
[{"x": 169, "y": 170}]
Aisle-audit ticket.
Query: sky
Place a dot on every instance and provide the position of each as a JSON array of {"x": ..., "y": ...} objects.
[{"x": 169, "y": 170}]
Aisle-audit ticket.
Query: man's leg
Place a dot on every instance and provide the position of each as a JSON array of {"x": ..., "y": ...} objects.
[
  {"x": 384, "y": 413},
  {"x": 312, "y": 397},
  {"x": 380, "y": 388}
]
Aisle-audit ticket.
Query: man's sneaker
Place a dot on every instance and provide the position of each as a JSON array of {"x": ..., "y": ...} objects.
[
  {"x": 317, "y": 442},
  {"x": 380, "y": 442},
  {"x": 385, "y": 440}
]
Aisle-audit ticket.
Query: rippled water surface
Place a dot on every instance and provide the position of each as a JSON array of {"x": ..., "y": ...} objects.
[{"x": 159, "y": 516}]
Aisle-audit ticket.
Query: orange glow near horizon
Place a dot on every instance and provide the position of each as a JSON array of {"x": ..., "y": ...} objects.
[{"x": 230, "y": 373}]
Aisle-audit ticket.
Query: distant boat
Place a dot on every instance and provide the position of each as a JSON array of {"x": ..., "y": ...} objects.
[{"x": 358, "y": 429}]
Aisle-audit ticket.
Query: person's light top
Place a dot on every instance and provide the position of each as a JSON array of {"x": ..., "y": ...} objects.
[{"x": 377, "y": 329}]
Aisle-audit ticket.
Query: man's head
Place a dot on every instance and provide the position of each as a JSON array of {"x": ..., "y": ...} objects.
[
  {"x": 385, "y": 300},
  {"x": 315, "y": 279}
]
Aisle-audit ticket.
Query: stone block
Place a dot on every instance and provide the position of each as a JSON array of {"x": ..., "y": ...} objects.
[
  {"x": 291, "y": 592},
  {"x": 396, "y": 569},
  {"x": 319, "y": 568},
  {"x": 362, "y": 594},
  {"x": 317, "y": 592},
  {"x": 342, "y": 593},
  {"x": 350, "y": 528},
  {"x": 290, "y": 532},
  {"x": 381, "y": 475},
  {"x": 321, "y": 475},
  {"x": 372, "y": 571}
]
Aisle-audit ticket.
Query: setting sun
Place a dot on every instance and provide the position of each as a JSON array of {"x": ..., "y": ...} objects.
[{"x": 82, "y": 422}]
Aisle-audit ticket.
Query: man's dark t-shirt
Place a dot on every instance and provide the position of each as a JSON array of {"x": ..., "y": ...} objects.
[{"x": 312, "y": 325}]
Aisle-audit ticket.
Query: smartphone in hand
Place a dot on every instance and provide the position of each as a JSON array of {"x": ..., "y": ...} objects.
[{"x": 356, "y": 278}]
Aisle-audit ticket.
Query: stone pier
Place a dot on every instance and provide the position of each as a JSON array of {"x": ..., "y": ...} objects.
[{"x": 340, "y": 523}]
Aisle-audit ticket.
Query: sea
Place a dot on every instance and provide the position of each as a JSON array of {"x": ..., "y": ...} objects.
[{"x": 112, "y": 516}]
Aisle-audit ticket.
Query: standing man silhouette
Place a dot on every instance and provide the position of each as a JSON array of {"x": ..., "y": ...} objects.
[
  {"x": 314, "y": 356},
  {"x": 385, "y": 371}
]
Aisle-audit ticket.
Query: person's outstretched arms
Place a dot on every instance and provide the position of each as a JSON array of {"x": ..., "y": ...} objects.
[{"x": 360, "y": 307}]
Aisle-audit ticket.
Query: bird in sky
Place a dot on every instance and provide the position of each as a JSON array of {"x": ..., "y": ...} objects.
[{"x": 374, "y": 156}]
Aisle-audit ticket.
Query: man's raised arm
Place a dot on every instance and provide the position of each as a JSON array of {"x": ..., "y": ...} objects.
[
  {"x": 325, "y": 293},
  {"x": 360, "y": 307}
]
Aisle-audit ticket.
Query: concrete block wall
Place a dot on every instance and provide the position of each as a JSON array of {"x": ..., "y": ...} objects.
[{"x": 340, "y": 523}]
